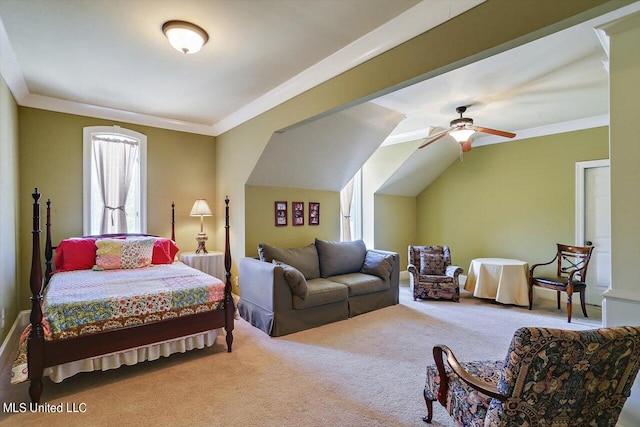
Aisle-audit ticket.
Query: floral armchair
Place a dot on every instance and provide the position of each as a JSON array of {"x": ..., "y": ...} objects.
[
  {"x": 549, "y": 377},
  {"x": 431, "y": 275}
]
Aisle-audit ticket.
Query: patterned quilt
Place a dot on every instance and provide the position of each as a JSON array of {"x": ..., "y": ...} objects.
[{"x": 86, "y": 301}]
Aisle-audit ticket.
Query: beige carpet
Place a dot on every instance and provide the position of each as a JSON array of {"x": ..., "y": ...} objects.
[{"x": 365, "y": 371}]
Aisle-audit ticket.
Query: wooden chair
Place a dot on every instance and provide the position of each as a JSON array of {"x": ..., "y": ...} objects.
[
  {"x": 571, "y": 275},
  {"x": 549, "y": 377}
]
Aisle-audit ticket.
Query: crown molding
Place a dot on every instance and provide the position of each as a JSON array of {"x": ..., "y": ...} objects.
[
  {"x": 411, "y": 135},
  {"x": 83, "y": 109},
  {"x": 570, "y": 126}
]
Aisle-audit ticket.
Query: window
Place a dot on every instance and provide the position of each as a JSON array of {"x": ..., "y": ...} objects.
[
  {"x": 114, "y": 180},
  {"x": 351, "y": 209}
]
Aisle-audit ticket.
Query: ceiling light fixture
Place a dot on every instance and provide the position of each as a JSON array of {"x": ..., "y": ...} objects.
[
  {"x": 461, "y": 130},
  {"x": 462, "y": 135},
  {"x": 185, "y": 36}
]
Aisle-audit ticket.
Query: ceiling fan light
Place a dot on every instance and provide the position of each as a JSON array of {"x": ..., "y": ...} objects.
[
  {"x": 184, "y": 36},
  {"x": 461, "y": 135}
]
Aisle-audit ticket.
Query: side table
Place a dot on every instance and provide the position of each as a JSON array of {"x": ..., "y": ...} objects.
[
  {"x": 211, "y": 263},
  {"x": 502, "y": 279}
]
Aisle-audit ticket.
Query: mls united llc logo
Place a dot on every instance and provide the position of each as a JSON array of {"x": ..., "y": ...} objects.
[{"x": 19, "y": 408}]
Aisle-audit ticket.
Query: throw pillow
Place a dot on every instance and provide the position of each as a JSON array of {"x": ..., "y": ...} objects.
[
  {"x": 304, "y": 258},
  {"x": 340, "y": 257},
  {"x": 432, "y": 264},
  {"x": 117, "y": 253},
  {"x": 295, "y": 279},
  {"x": 378, "y": 264},
  {"x": 75, "y": 254},
  {"x": 164, "y": 251}
]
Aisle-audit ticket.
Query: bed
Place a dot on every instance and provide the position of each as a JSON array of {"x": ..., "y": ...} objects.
[{"x": 103, "y": 319}]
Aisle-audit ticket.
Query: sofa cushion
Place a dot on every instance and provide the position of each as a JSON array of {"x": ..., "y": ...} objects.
[
  {"x": 432, "y": 264},
  {"x": 304, "y": 258},
  {"x": 321, "y": 291},
  {"x": 360, "y": 283},
  {"x": 295, "y": 279},
  {"x": 340, "y": 257},
  {"x": 377, "y": 264}
]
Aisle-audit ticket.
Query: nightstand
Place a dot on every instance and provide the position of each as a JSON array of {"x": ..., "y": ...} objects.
[{"x": 211, "y": 263}]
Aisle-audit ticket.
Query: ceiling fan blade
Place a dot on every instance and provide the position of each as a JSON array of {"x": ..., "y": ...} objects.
[
  {"x": 466, "y": 146},
  {"x": 435, "y": 137},
  {"x": 495, "y": 132}
]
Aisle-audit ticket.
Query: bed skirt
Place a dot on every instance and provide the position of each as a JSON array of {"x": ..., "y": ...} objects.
[{"x": 128, "y": 357}]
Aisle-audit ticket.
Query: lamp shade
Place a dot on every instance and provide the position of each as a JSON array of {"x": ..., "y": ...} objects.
[
  {"x": 201, "y": 208},
  {"x": 462, "y": 135},
  {"x": 185, "y": 36}
]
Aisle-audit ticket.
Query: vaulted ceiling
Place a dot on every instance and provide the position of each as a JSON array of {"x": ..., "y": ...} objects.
[{"x": 111, "y": 60}]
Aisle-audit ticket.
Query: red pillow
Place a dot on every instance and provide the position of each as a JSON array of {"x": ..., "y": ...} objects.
[
  {"x": 75, "y": 254},
  {"x": 164, "y": 251}
]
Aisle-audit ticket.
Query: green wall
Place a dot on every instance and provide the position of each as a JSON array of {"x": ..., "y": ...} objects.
[
  {"x": 9, "y": 244},
  {"x": 260, "y": 224},
  {"x": 459, "y": 41},
  {"x": 180, "y": 168},
  {"x": 395, "y": 224},
  {"x": 511, "y": 200}
]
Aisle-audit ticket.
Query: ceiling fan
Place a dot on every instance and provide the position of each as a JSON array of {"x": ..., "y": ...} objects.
[{"x": 461, "y": 130}]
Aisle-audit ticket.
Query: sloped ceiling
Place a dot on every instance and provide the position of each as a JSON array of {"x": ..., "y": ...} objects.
[
  {"x": 554, "y": 84},
  {"x": 421, "y": 167},
  {"x": 325, "y": 153},
  {"x": 554, "y": 79}
]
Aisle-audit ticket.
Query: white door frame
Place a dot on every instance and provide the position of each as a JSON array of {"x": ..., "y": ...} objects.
[{"x": 581, "y": 168}]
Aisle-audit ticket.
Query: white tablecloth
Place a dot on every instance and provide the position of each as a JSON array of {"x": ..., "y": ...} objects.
[
  {"x": 502, "y": 279},
  {"x": 211, "y": 263}
]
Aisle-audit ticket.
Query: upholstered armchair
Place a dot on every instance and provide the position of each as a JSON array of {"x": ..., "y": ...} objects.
[
  {"x": 549, "y": 377},
  {"x": 431, "y": 275}
]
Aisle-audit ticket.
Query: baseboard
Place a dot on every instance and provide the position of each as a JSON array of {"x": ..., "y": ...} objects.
[{"x": 10, "y": 341}]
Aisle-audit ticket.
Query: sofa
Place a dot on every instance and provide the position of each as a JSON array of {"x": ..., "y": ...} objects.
[{"x": 293, "y": 289}]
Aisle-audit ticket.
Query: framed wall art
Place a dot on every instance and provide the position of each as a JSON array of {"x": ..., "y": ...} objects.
[
  {"x": 281, "y": 213},
  {"x": 297, "y": 209},
  {"x": 314, "y": 213}
]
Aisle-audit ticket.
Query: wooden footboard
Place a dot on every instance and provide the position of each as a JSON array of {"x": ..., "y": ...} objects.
[{"x": 42, "y": 354}]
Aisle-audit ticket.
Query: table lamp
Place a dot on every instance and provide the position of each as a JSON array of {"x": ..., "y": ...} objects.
[{"x": 201, "y": 209}]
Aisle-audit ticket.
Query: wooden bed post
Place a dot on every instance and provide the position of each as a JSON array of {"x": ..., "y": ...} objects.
[
  {"x": 48, "y": 249},
  {"x": 173, "y": 222},
  {"x": 35, "y": 343},
  {"x": 228, "y": 298}
]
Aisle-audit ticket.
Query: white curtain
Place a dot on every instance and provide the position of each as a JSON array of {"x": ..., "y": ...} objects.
[
  {"x": 115, "y": 160},
  {"x": 346, "y": 197}
]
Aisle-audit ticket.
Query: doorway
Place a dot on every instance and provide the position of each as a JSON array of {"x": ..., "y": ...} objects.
[{"x": 593, "y": 224}]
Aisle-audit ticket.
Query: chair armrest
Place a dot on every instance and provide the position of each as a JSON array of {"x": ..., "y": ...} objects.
[
  {"x": 576, "y": 271},
  {"x": 395, "y": 265},
  {"x": 482, "y": 386},
  {"x": 453, "y": 271},
  {"x": 412, "y": 269},
  {"x": 534, "y": 266}
]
